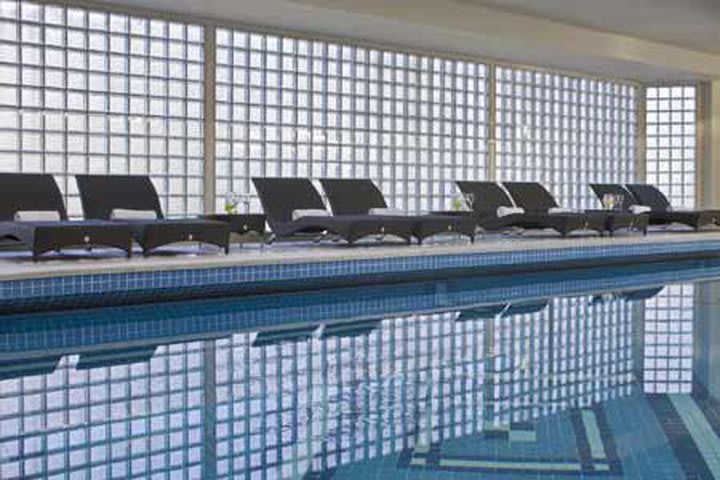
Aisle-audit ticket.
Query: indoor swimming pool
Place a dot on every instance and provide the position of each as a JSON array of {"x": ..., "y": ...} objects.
[{"x": 599, "y": 373}]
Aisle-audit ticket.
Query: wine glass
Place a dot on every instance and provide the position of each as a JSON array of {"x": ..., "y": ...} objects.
[
  {"x": 619, "y": 201},
  {"x": 469, "y": 201},
  {"x": 231, "y": 203},
  {"x": 608, "y": 201}
]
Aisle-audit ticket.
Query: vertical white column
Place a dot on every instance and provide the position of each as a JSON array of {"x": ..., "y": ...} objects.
[
  {"x": 209, "y": 123},
  {"x": 708, "y": 144},
  {"x": 641, "y": 132},
  {"x": 492, "y": 121}
]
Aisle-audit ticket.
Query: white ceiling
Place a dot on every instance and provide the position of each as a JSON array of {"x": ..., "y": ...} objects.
[
  {"x": 688, "y": 23},
  {"x": 526, "y": 31}
]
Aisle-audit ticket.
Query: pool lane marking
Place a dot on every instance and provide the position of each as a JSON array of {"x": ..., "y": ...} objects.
[
  {"x": 700, "y": 430},
  {"x": 512, "y": 466},
  {"x": 596, "y": 453},
  {"x": 592, "y": 431},
  {"x": 679, "y": 438}
]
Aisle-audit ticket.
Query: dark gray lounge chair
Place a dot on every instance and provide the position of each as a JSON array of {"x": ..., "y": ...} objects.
[
  {"x": 115, "y": 356},
  {"x": 659, "y": 213},
  {"x": 26, "y": 367},
  {"x": 290, "y": 334},
  {"x": 526, "y": 307},
  {"x": 641, "y": 295},
  {"x": 23, "y": 192},
  {"x": 102, "y": 194},
  {"x": 351, "y": 329},
  {"x": 489, "y": 196},
  {"x": 661, "y": 208},
  {"x": 359, "y": 196},
  {"x": 533, "y": 197},
  {"x": 502, "y": 310},
  {"x": 627, "y": 295},
  {"x": 280, "y": 197},
  {"x": 484, "y": 312}
]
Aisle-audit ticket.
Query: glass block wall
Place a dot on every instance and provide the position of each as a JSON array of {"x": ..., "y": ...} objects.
[
  {"x": 300, "y": 407},
  {"x": 303, "y": 405},
  {"x": 564, "y": 132},
  {"x": 671, "y": 142},
  {"x": 294, "y": 107},
  {"x": 295, "y": 402},
  {"x": 668, "y": 343},
  {"x": 91, "y": 419},
  {"x": 84, "y": 91},
  {"x": 556, "y": 355}
]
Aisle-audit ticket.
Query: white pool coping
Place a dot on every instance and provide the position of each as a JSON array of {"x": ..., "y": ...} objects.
[{"x": 19, "y": 266}]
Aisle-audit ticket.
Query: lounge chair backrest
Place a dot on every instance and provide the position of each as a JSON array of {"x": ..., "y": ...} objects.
[
  {"x": 487, "y": 196},
  {"x": 481, "y": 313},
  {"x": 602, "y": 189},
  {"x": 281, "y": 196},
  {"x": 650, "y": 196},
  {"x": 525, "y": 308},
  {"x": 101, "y": 194},
  {"x": 531, "y": 196},
  {"x": 29, "y": 192},
  {"x": 644, "y": 294},
  {"x": 352, "y": 196}
]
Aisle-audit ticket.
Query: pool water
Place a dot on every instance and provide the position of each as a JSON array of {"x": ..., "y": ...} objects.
[{"x": 598, "y": 374}]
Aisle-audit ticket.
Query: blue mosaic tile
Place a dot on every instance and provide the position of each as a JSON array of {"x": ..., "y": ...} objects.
[
  {"x": 216, "y": 317},
  {"x": 144, "y": 286}
]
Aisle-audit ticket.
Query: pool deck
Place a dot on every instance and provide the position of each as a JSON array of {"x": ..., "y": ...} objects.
[{"x": 78, "y": 279}]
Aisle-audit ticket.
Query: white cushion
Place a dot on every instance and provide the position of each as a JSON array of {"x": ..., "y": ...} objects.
[
  {"x": 309, "y": 212},
  {"x": 388, "y": 212},
  {"x": 505, "y": 211},
  {"x": 560, "y": 210},
  {"x": 37, "y": 216},
  {"x": 127, "y": 214},
  {"x": 638, "y": 209},
  {"x": 681, "y": 209}
]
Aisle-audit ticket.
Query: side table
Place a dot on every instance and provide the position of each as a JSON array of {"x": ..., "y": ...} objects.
[{"x": 241, "y": 224}]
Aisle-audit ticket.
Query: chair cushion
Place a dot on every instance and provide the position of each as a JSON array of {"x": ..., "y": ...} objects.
[
  {"x": 37, "y": 216},
  {"x": 388, "y": 212},
  {"x": 505, "y": 211},
  {"x": 309, "y": 212},
  {"x": 639, "y": 209},
  {"x": 130, "y": 214}
]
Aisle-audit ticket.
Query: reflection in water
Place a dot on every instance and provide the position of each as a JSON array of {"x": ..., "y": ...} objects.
[
  {"x": 535, "y": 383},
  {"x": 668, "y": 355}
]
